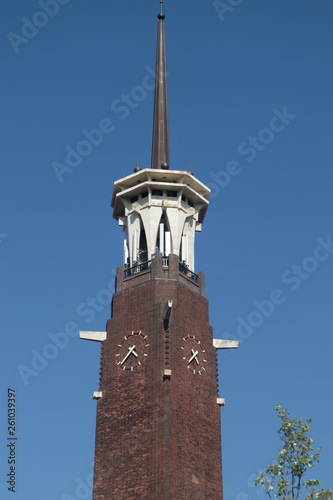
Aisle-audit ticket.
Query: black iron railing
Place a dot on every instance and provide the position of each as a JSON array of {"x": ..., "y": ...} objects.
[
  {"x": 185, "y": 270},
  {"x": 137, "y": 268}
]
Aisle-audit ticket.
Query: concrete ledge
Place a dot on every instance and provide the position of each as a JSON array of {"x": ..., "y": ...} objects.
[
  {"x": 96, "y": 336},
  {"x": 97, "y": 395},
  {"x": 167, "y": 310},
  {"x": 220, "y": 401},
  {"x": 225, "y": 344}
]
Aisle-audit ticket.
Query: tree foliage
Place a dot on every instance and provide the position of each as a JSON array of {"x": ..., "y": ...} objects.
[{"x": 285, "y": 478}]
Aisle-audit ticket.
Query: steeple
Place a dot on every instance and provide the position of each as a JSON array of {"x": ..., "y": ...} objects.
[
  {"x": 158, "y": 427},
  {"x": 160, "y": 210},
  {"x": 160, "y": 152}
]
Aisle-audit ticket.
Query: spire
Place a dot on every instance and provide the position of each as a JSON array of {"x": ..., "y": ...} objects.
[{"x": 160, "y": 153}]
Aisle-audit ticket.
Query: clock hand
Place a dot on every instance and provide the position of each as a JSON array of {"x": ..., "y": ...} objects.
[
  {"x": 130, "y": 351},
  {"x": 195, "y": 353}
]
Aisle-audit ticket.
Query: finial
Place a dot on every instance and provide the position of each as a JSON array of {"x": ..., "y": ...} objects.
[
  {"x": 137, "y": 168},
  {"x": 161, "y": 16}
]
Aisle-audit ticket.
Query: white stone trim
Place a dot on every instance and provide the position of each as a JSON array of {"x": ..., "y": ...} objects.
[
  {"x": 96, "y": 336},
  {"x": 220, "y": 401},
  {"x": 167, "y": 310},
  {"x": 225, "y": 344}
]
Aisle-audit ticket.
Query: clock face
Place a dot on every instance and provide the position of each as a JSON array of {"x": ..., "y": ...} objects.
[
  {"x": 133, "y": 351},
  {"x": 194, "y": 355}
]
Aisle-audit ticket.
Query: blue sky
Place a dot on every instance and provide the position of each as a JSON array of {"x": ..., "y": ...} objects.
[{"x": 250, "y": 105}]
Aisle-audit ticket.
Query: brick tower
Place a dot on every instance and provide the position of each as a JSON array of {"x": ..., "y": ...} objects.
[{"x": 158, "y": 431}]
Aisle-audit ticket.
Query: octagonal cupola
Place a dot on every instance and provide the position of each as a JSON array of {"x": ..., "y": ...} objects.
[{"x": 160, "y": 211}]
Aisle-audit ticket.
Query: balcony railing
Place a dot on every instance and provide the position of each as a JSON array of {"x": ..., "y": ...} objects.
[
  {"x": 137, "y": 268},
  {"x": 185, "y": 270}
]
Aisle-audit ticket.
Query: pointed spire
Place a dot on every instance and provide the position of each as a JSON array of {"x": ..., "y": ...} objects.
[{"x": 160, "y": 153}]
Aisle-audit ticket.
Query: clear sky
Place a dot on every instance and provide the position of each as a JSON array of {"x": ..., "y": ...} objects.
[{"x": 250, "y": 105}]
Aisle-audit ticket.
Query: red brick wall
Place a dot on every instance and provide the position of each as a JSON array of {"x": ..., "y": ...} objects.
[{"x": 158, "y": 438}]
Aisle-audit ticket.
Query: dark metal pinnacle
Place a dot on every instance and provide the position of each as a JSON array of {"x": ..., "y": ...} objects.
[
  {"x": 160, "y": 150},
  {"x": 161, "y": 16}
]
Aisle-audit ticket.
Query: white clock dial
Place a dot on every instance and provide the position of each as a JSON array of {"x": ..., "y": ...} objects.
[{"x": 132, "y": 351}]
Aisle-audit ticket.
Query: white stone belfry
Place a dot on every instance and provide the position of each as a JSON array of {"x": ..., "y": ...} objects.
[{"x": 160, "y": 211}]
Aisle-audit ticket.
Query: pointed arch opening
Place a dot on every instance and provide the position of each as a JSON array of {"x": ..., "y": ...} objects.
[
  {"x": 143, "y": 247},
  {"x": 163, "y": 240},
  {"x": 184, "y": 247}
]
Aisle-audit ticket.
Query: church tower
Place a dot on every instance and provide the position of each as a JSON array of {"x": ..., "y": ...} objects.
[{"x": 158, "y": 434}]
